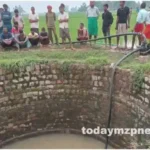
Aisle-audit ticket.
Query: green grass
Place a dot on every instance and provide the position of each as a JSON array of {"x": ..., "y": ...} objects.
[
  {"x": 74, "y": 22},
  {"x": 93, "y": 57},
  {"x": 15, "y": 60}
]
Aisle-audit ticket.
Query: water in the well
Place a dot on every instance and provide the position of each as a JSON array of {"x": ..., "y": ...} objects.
[{"x": 57, "y": 141}]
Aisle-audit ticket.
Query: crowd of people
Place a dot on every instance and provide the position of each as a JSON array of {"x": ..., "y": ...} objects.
[{"x": 15, "y": 35}]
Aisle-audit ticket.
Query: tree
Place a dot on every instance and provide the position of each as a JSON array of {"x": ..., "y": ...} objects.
[
  {"x": 20, "y": 9},
  {"x": 83, "y": 7},
  {"x": 74, "y": 9},
  {"x": 67, "y": 8}
]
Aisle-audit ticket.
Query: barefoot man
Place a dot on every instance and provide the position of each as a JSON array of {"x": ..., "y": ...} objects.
[
  {"x": 140, "y": 21},
  {"x": 50, "y": 21},
  {"x": 123, "y": 21},
  {"x": 34, "y": 20},
  {"x": 92, "y": 15},
  {"x": 63, "y": 19},
  {"x": 147, "y": 28},
  {"x": 107, "y": 22}
]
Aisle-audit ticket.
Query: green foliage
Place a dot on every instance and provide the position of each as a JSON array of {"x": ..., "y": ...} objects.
[
  {"x": 138, "y": 79},
  {"x": 83, "y": 7},
  {"x": 65, "y": 66}
]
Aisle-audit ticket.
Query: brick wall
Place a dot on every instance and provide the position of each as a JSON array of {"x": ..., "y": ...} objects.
[{"x": 51, "y": 96}]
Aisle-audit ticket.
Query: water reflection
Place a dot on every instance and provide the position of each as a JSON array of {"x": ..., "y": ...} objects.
[{"x": 57, "y": 141}]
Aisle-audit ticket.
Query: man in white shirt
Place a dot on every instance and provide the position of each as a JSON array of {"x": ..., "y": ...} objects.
[
  {"x": 34, "y": 20},
  {"x": 92, "y": 15},
  {"x": 63, "y": 19},
  {"x": 18, "y": 18},
  {"x": 140, "y": 23},
  {"x": 147, "y": 28}
]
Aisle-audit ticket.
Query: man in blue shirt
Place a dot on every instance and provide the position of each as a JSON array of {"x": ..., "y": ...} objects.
[
  {"x": 7, "y": 38},
  {"x": 6, "y": 18}
]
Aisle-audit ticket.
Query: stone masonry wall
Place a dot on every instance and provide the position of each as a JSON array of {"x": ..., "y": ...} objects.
[{"x": 53, "y": 96}]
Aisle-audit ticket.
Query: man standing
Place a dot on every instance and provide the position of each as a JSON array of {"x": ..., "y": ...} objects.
[
  {"x": 107, "y": 22},
  {"x": 123, "y": 21},
  {"x": 18, "y": 18},
  {"x": 50, "y": 21},
  {"x": 63, "y": 19},
  {"x": 147, "y": 28},
  {"x": 92, "y": 14},
  {"x": 6, "y": 18},
  {"x": 140, "y": 21},
  {"x": 34, "y": 20}
]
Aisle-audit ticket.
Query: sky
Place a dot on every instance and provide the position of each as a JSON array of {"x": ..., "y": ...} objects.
[{"x": 41, "y": 6}]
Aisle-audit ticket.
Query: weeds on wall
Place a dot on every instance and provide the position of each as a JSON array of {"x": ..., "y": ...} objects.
[{"x": 138, "y": 79}]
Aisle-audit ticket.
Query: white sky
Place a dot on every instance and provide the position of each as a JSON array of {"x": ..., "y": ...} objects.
[{"x": 41, "y": 6}]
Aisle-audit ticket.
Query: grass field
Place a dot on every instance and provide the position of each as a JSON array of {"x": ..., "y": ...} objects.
[
  {"x": 14, "y": 60},
  {"x": 74, "y": 22}
]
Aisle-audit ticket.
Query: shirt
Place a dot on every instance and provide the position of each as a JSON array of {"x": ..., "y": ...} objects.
[
  {"x": 19, "y": 20},
  {"x": 5, "y": 36},
  {"x": 148, "y": 18},
  {"x": 35, "y": 35},
  {"x": 141, "y": 18},
  {"x": 82, "y": 32},
  {"x": 92, "y": 12},
  {"x": 63, "y": 16},
  {"x": 34, "y": 17},
  {"x": 107, "y": 18},
  {"x": 43, "y": 34},
  {"x": 15, "y": 31},
  {"x": 6, "y": 17},
  {"x": 123, "y": 14},
  {"x": 21, "y": 38},
  {"x": 50, "y": 17}
]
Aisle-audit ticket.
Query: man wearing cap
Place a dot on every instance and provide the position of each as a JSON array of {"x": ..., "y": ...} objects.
[
  {"x": 92, "y": 14},
  {"x": 50, "y": 21},
  {"x": 34, "y": 20},
  {"x": 6, "y": 18}
]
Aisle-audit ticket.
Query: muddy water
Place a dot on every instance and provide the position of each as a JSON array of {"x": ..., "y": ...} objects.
[{"x": 58, "y": 141}]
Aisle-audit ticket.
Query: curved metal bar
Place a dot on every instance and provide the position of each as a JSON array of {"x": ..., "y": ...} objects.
[
  {"x": 111, "y": 36},
  {"x": 112, "y": 88}
]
